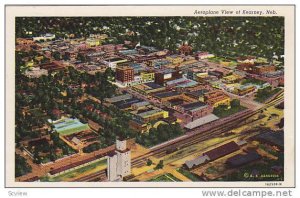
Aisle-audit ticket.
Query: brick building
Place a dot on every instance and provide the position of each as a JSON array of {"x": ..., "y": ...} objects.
[
  {"x": 256, "y": 69},
  {"x": 262, "y": 69},
  {"x": 216, "y": 98},
  {"x": 163, "y": 76},
  {"x": 124, "y": 74},
  {"x": 195, "y": 110}
]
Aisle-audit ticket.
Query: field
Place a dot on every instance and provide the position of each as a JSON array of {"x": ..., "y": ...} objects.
[
  {"x": 165, "y": 178},
  {"x": 189, "y": 175}
]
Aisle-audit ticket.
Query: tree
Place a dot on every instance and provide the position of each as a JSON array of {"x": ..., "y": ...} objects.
[
  {"x": 66, "y": 56},
  {"x": 160, "y": 165},
  {"x": 81, "y": 58},
  {"x": 149, "y": 162},
  {"x": 36, "y": 157},
  {"x": 235, "y": 103},
  {"x": 21, "y": 166},
  {"x": 56, "y": 55}
]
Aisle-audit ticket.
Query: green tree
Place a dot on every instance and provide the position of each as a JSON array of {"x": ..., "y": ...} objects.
[
  {"x": 149, "y": 162},
  {"x": 21, "y": 166},
  {"x": 56, "y": 55},
  {"x": 160, "y": 165},
  {"x": 235, "y": 103}
]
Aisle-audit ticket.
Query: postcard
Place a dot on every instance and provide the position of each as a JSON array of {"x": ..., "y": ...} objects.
[{"x": 150, "y": 96}]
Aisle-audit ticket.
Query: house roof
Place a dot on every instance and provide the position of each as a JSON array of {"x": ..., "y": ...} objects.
[
  {"x": 223, "y": 150},
  {"x": 167, "y": 94},
  {"x": 194, "y": 105},
  {"x": 239, "y": 159},
  {"x": 273, "y": 138},
  {"x": 198, "y": 161},
  {"x": 201, "y": 121}
]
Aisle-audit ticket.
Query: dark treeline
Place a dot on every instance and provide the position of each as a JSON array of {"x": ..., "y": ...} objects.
[{"x": 224, "y": 36}]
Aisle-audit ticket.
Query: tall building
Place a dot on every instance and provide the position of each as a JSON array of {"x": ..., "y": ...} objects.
[
  {"x": 124, "y": 74},
  {"x": 119, "y": 162}
]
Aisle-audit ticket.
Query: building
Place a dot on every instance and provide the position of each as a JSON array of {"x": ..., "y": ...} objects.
[
  {"x": 231, "y": 78},
  {"x": 24, "y": 41},
  {"x": 93, "y": 42},
  {"x": 196, "y": 162},
  {"x": 195, "y": 110},
  {"x": 175, "y": 60},
  {"x": 127, "y": 104},
  {"x": 125, "y": 74},
  {"x": 246, "y": 67},
  {"x": 36, "y": 72},
  {"x": 149, "y": 113},
  {"x": 169, "y": 95},
  {"x": 162, "y": 76},
  {"x": 99, "y": 36},
  {"x": 262, "y": 69},
  {"x": 67, "y": 126},
  {"x": 223, "y": 150},
  {"x": 119, "y": 162},
  {"x": 137, "y": 68},
  {"x": 46, "y": 37},
  {"x": 246, "y": 59},
  {"x": 197, "y": 94},
  {"x": 114, "y": 62},
  {"x": 148, "y": 88},
  {"x": 118, "y": 98},
  {"x": 140, "y": 126},
  {"x": 157, "y": 63},
  {"x": 181, "y": 83},
  {"x": 244, "y": 89},
  {"x": 53, "y": 66},
  {"x": 256, "y": 69},
  {"x": 271, "y": 138},
  {"x": 142, "y": 49},
  {"x": 216, "y": 73},
  {"x": 216, "y": 98},
  {"x": 147, "y": 76},
  {"x": 185, "y": 49},
  {"x": 203, "y": 55},
  {"x": 240, "y": 160},
  {"x": 201, "y": 121}
]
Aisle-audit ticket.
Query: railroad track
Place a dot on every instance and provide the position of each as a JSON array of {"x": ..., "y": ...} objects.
[
  {"x": 99, "y": 175},
  {"x": 195, "y": 138}
]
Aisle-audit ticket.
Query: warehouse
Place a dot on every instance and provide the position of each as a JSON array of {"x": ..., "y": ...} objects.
[
  {"x": 240, "y": 160},
  {"x": 223, "y": 150}
]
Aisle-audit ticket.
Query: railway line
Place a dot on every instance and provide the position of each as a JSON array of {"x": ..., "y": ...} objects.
[{"x": 193, "y": 136}]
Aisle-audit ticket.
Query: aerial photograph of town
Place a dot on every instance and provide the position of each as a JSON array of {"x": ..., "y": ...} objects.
[{"x": 149, "y": 99}]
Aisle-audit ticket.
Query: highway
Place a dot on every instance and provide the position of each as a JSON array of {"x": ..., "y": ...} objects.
[{"x": 192, "y": 137}]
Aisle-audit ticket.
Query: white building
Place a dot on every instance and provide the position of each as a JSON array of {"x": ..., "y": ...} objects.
[
  {"x": 46, "y": 37},
  {"x": 119, "y": 162},
  {"x": 113, "y": 62},
  {"x": 35, "y": 72}
]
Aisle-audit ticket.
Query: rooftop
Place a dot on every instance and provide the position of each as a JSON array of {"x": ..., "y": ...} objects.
[
  {"x": 223, "y": 150},
  {"x": 194, "y": 105},
  {"x": 167, "y": 94},
  {"x": 196, "y": 162},
  {"x": 153, "y": 85},
  {"x": 119, "y": 98},
  {"x": 239, "y": 159},
  {"x": 201, "y": 121},
  {"x": 69, "y": 126}
]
